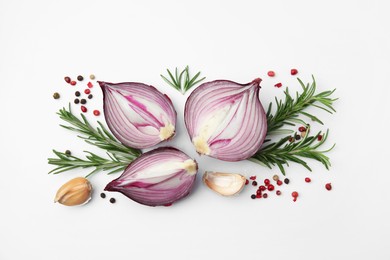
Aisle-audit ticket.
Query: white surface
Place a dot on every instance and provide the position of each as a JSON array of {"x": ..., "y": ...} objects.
[{"x": 345, "y": 44}]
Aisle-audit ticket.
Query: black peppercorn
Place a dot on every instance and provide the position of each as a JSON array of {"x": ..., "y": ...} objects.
[
  {"x": 103, "y": 195},
  {"x": 287, "y": 181},
  {"x": 297, "y": 137},
  {"x": 77, "y": 93},
  {"x": 83, "y": 101},
  {"x": 253, "y": 196},
  {"x": 112, "y": 200},
  {"x": 254, "y": 183},
  {"x": 90, "y": 96},
  {"x": 76, "y": 101},
  {"x": 67, "y": 152},
  {"x": 56, "y": 95},
  {"x": 80, "y": 78}
]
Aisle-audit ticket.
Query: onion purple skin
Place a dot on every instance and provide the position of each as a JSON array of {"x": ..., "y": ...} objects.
[
  {"x": 233, "y": 149},
  {"x": 132, "y": 134},
  {"x": 155, "y": 191}
]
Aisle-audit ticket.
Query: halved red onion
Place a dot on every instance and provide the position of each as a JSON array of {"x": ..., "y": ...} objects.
[
  {"x": 138, "y": 115},
  {"x": 226, "y": 120},
  {"x": 157, "y": 178}
]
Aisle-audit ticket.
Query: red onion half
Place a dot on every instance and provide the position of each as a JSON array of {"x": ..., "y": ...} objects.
[
  {"x": 137, "y": 114},
  {"x": 157, "y": 178},
  {"x": 226, "y": 120}
]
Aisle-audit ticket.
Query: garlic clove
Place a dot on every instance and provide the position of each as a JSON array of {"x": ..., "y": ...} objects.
[
  {"x": 226, "y": 184},
  {"x": 75, "y": 192}
]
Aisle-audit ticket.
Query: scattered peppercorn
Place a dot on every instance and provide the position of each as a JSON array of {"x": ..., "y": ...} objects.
[
  {"x": 270, "y": 187},
  {"x": 246, "y": 182},
  {"x": 302, "y": 129},
  {"x": 67, "y": 152},
  {"x": 307, "y": 179},
  {"x": 262, "y": 188},
  {"x": 77, "y": 93},
  {"x": 56, "y": 95},
  {"x": 90, "y": 96},
  {"x": 67, "y": 79},
  {"x": 252, "y": 178},
  {"x": 287, "y": 181},
  {"x": 279, "y": 182},
  {"x": 278, "y": 192},
  {"x": 275, "y": 177},
  {"x": 266, "y": 181},
  {"x": 254, "y": 183},
  {"x": 295, "y": 195},
  {"x": 112, "y": 200},
  {"x": 96, "y": 112},
  {"x": 297, "y": 137},
  {"x": 291, "y": 139},
  {"x": 84, "y": 109},
  {"x": 328, "y": 186},
  {"x": 265, "y": 195},
  {"x": 89, "y": 85},
  {"x": 168, "y": 204},
  {"x": 258, "y": 191},
  {"x": 83, "y": 101},
  {"x": 253, "y": 196},
  {"x": 278, "y": 85},
  {"x": 80, "y": 78},
  {"x": 87, "y": 91},
  {"x": 258, "y": 196},
  {"x": 103, "y": 195},
  {"x": 271, "y": 73},
  {"x": 73, "y": 83},
  {"x": 76, "y": 101},
  {"x": 294, "y": 72},
  {"x": 319, "y": 137},
  {"x": 92, "y": 76}
]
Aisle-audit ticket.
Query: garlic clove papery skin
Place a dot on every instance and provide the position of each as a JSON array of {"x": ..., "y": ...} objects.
[
  {"x": 226, "y": 184},
  {"x": 138, "y": 115},
  {"x": 157, "y": 178},
  {"x": 75, "y": 192},
  {"x": 226, "y": 120}
]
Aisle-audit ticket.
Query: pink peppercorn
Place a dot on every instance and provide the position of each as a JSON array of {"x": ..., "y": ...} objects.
[
  {"x": 271, "y": 73},
  {"x": 294, "y": 72},
  {"x": 278, "y": 85}
]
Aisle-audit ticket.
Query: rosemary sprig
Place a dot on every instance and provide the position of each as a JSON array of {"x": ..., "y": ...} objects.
[
  {"x": 119, "y": 154},
  {"x": 182, "y": 81},
  {"x": 288, "y": 111},
  {"x": 67, "y": 162},
  {"x": 99, "y": 137},
  {"x": 281, "y": 152}
]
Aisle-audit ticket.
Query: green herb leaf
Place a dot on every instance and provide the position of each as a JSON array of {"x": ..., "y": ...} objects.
[{"x": 182, "y": 81}]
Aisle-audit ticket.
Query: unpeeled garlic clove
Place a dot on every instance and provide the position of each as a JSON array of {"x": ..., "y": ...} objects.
[
  {"x": 75, "y": 192},
  {"x": 226, "y": 184}
]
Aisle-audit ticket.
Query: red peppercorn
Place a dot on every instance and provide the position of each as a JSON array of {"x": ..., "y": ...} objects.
[
  {"x": 84, "y": 109},
  {"x": 266, "y": 181},
  {"x": 319, "y": 137},
  {"x": 87, "y": 91},
  {"x": 96, "y": 112},
  {"x": 294, "y": 72},
  {"x": 252, "y": 178},
  {"x": 89, "y": 85},
  {"x": 246, "y": 182},
  {"x": 258, "y": 192},
  {"x": 262, "y": 188},
  {"x": 279, "y": 182},
  {"x": 67, "y": 79},
  {"x": 278, "y": 85},
  {"x": 258, "y": 196},
  {"x": 271, "y": 73},
  {"x": 278, "y": 192},
  {"x": 291, "y": 139},
  {"x": 168, "y": 205},
  {"x": 265, "y": 195},
  {"x": 73, "y": 83},
  {"x": 302, "y": 129},
  {"x": 307, "y": 179},
  {"x": 270, "y": 187},
  {"x": 328, "y": 186},
  {"x": 295, "y": 195}
]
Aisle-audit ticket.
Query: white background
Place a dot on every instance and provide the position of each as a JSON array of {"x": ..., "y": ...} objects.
[{"x": 345, "y": 44}]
